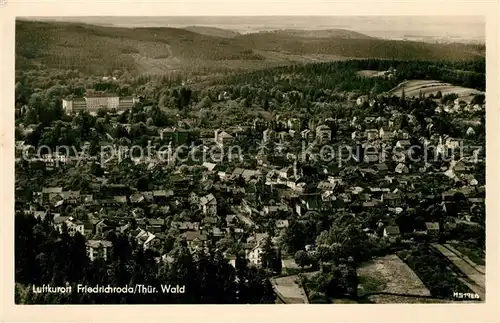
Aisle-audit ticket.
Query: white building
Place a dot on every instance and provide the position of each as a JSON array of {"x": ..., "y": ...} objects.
[
  {"x": 92, "y": 103},
  {"x": 98, "y": 249}
]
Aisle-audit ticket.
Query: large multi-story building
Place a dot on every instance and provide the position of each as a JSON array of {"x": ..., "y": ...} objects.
[
  {"x": 98, "y": 101},
  {"x": 74, "y": 105},
  {"x": 92, "y": 103}
]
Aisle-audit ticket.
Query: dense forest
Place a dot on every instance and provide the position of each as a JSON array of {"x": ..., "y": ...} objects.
[
  {"x": 45, "y": 256},
  {"x": 341, "y": 76}
]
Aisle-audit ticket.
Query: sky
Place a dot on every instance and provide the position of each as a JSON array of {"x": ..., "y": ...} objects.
[{"x": 427, "y": 28}]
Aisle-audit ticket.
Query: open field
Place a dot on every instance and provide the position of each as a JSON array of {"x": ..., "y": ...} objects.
[
  {"x": 427, "y": 87},
  {"x": 288, "y": 290},
  {"x": 389, "y": 274},
  {"x": 369, "y": 73}
]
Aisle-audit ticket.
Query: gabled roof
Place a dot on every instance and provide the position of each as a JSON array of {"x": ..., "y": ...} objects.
[
  {"x": 60, "y": 219},
  {"x": 185, "y": 225},
  {"x": 156, "y": 222},
  {"x": 48, "y": 190},
  {"x": 136, "y": 197},
  {"x": 209, "y": 166},
  {"x": 224, "y": 135},
  {"x": 392, "y": 230},
  {"x": 161, "y": 193},
  {"x": 193, "y": 235},
  {"x": 120, "y": 199},
  {"x": 208, "y": 199}
]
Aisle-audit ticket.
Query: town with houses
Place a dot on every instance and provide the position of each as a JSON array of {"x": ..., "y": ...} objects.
[
  {"x": 208, "y": 166},
  {"x": 239, "y": 204}
]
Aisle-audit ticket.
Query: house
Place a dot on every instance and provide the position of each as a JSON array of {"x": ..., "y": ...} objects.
[
  {"x": 155, "y": 225},
  {"x": 372, "y": 134},
  {"x": 98, "y": 249},
  {"x": 286, "y": 172},
  {"x": 328, "y": 196},
  {"x": 273, "y": 210},
  {"x": 281, "y": 224},
  {"x": 307, "y": 134},
  {"x": 451, "y": 143},
  {"x": 37, "y": 214},
  {"x": 323, "y": 134},
  {"x": 73, "y": 225},
  {"x": 403, "y": 144},
  {"x": 147, "y": 239},
  {"x": 470, "y": 132},
  {"x": 194, "y": 239},
  {"x": 401, "y": 169},
  {"x": 162, "y": 196},
  {"x": 231, "y": 220},
  {"x": 87, "y": 199},
  {"x": 391, "y": 231},
  {"x": 459, "y": 166},
  {"x": 369, "y": 204},
  {"x": 371, "y": 158},
  {"x": 391, "y": 199},
  {"x": 223, "y": 138},
  {"x": 105, "y": 225},
  {"x": 57, "y": 200},
  {"x": 208, "y": 204},
  {"x": 432, "y": 228},
  {"x": 254, "y": 253},
  {"x": 327, "y": 186},
  {"x": 48, "y": 192},
  {"x": 120, "y": 199},
  {"x": 185, "y": 226},
  {"x": 137, "y": 198},
  {"x": 470, "y": 180},
  {"x": 71, "y": 197},
  {"x": 209, "y": 221},
  {"x": 209, "y": 166}
]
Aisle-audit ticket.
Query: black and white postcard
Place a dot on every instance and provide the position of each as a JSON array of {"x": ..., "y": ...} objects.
[{"x": 206, "y": 159}]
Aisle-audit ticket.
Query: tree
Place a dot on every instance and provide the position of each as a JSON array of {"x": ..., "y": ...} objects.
[
  {"x": 301, "y": 258},
  {"x": 294, "y": 237},
  {"x": 205, "y": 103}
]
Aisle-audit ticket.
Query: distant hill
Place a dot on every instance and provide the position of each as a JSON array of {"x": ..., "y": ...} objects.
[
  {"x": 325, "y": 33},
  {"x": 101, "y": 49},
  {"x": 213, "y": 31}
]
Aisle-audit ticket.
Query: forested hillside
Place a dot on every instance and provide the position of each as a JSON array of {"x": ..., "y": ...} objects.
[{"x": 101, "y": 50}]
